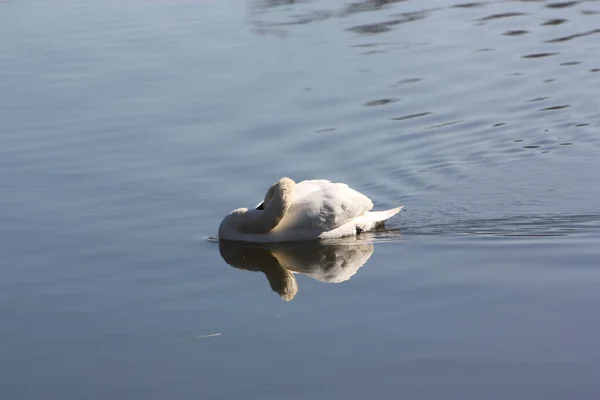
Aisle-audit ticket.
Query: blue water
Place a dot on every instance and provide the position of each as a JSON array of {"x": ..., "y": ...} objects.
[{"x": 128, "y": 129}]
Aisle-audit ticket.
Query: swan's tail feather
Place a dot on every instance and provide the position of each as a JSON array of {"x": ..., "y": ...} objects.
[{"x": 379, "y": 217}]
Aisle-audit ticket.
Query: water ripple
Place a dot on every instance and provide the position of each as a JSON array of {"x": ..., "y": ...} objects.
[
  {"x": 385, "y": 26},
  {"x": 539, "y": 55},
  {"x": 519, "y": 225},
  {"x": 410, "y": 116},
  {"x": 379, "y": 102},
  {"x": 563, "y": 4},
  {"x": 574, "y": 36},
  {"x": 502, "y": 15},
  {"x": 555, "y": 21}
]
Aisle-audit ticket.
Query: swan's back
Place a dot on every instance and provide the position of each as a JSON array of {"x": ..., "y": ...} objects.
[
  {"x": 321, "y": 206},
  {"x": 306, "y": 187}
]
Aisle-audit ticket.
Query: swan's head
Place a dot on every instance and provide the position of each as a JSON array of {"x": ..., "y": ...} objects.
[
  {"x": 283, "y": 188},
  {"x": 267, "y": 216}
]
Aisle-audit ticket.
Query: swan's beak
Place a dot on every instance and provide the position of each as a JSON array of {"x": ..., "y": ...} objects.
[{"x": 261, "y": 206}]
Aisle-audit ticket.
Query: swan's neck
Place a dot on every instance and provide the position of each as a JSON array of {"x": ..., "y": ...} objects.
[{"x": 277, "y": 202}]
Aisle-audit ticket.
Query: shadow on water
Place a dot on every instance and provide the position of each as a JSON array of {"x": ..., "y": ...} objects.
[{"x": 327, "y": 261}]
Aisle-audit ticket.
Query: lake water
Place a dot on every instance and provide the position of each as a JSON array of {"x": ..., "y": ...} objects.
[{"x": 129, "y": 128}]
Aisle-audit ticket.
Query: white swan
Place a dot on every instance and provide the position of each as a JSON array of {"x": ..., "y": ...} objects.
[{"x": 309, "y": 210}]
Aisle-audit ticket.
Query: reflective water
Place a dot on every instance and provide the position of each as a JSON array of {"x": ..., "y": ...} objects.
[{"x": 128, "y": 129}]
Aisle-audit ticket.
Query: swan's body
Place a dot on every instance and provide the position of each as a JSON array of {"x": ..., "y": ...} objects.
[{"x": 309, "y": 210}]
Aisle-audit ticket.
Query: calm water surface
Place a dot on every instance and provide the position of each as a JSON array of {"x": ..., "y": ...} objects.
[{"x": 129, "y": 128}]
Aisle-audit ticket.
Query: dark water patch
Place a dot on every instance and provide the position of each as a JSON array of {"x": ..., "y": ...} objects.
[
  {"x": 325, "y": 130},
  {"x": 469, "y": 5},
  {"x": 486, "y": 49},
  {"x": 538, "y": 99},
  {"x": 555, "y": 21},
  {"x": 574, "y": 36},
  {"x": 565, "y": 4},
  {"x": 578, "y": 125},
  {"x": 566, "y": 144},
  {"x": 518, "y": 140},
  {"x": 367, "y": 6},
  {"x": 549, "y": 80},
  {"x": 386, "y": 26},
  {"x": 372, "y": 29},
  {"x": 366, "y": 45},
  {"x": 502, "y": 15},
  {"x": 570, "y": 63},
  {"x": 553, "y": 108},
  {"x": 499, "y": 124},
  {"x": 516, "y": 32},
  {"x": 380, "y": 102},
  {"x": 539, "y": 55},
  {"x": 409, "y": 80},
  {"x": 595, "y": 70},
  {"x": 278, "y": 3},
  {"x": 405, "y": 117},
  {"x": 531, "y": 146}
]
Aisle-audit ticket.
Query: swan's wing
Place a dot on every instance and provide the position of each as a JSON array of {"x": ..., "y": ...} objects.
[
  {"x": 306, "y": 187},
  {"x": 326, "y": 208}
]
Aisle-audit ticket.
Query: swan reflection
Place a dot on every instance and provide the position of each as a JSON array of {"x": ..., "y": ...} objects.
[{"x": 325, "y": 262}]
